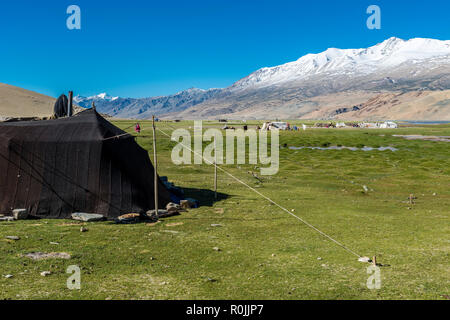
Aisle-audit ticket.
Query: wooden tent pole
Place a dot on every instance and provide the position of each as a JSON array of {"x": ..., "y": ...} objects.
[
  {"x": 155, "y": 165},
  {"x": 215, "y": 169},
  {"x": 70, "y": 107}
]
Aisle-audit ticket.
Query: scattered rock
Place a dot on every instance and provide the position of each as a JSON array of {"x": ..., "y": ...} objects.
[
  {"x": 83, "y": 229},
  {"x": 55, "y": 243},
  {"x": 8, "y": 276},
  {"x": 435, "y": 194},
  {"x": 52, "y": 255},
  {"x": 319, "y": 258},
  {"x": 211, "y": 279},
  {"x": 15, "y": 238},
  {"x": 193, "y": 202},
  {"x": 185, "y": 204},
  {"x": 274, "y": 255},
  {"x": 128, "y": 218},
  {"x": 216, "y": 249},
  {"x": 216, "y": 225},
  {"x": 87, "y": 217},
  {"x": 173, "y": 207},
  {"x": 45, "y": 273},
  {"x": 20, "y": 214},
  {"x": 366, "y": 190}
]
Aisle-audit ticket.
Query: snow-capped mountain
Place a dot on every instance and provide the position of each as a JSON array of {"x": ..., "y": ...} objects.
[
  {"x": 142, "y": 108},
  {"x": 316, "y": 85},
  {"x": 384, "y": 56}
]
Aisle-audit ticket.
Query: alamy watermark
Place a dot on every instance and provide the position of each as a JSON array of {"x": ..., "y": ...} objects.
[
  {"x": 73, "y": 22},
  {"x": 374, "y": 280},
  {"x": 234, "y": 140},
  {"x": 374, "y": 21},
  {"x": 74, "y": 281}
]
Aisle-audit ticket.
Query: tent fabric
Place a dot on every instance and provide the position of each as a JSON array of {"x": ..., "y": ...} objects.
[
  {"x": 61, "y": 106},
  {"x": 57, "y": 167}
]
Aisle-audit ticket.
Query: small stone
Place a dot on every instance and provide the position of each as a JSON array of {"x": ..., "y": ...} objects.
[
  {"x": 8, "y": 276},
  {"x": 211, "y": 279},
  {"x": 364, "y": 259},
  {"x": 216, "y": 249},
  {"x": 273, "y": 255},
  {"x": 365, "y": 189},
  {"x": 55, "y": 243},
  {"x": 45, "y": 273},
  {"x": 172, "y": 205},
  {"x": 193, "y": 202},
  {"x": 216, "y": 225},
  {"x": 319, "y": 258},
  {"x": 20, "y": 214},
  {"x": 435, "y": 194},
  {"x": 15, "y": 238},
  {"x": 83, "y": 229},
  {"x": 185, "y": 204},
  {"x": 87, "y": 217}
]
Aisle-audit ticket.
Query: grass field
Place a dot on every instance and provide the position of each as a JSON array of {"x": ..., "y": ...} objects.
[{"x": 264, "y": 252}]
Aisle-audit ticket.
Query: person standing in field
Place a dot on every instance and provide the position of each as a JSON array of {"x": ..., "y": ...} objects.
[{"x": 137, "y": 128}]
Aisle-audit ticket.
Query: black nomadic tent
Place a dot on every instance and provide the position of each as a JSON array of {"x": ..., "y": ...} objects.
[{"x": 82, "y": 163}]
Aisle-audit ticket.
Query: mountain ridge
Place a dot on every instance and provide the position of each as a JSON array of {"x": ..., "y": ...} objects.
[{"x": 305, "y": 87}]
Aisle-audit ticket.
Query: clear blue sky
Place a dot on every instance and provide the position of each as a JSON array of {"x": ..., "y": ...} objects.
[{"x": 138, "y": 48}]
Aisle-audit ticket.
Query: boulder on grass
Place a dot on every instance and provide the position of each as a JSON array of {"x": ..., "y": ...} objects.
[
  {"x": 20, "y": 214},
  {"x": 87, "y": 217}
]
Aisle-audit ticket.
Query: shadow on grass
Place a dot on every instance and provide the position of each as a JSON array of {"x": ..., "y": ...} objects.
[{"x": 205, "y": 197}]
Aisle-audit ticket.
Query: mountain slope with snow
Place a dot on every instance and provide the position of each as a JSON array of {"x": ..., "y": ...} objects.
[{"x": 298, "y": 89}]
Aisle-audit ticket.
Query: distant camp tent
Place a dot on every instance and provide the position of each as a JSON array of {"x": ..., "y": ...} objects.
[
  {"x": 82, "y": 163},
  {"x": 61, "y": 106}
]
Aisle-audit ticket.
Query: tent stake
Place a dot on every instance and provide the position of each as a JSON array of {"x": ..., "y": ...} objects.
[{"x": 155, "y": 165}]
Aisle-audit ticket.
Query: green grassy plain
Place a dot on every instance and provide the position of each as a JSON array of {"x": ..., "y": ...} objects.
[{"x": 264, "y": 252}]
